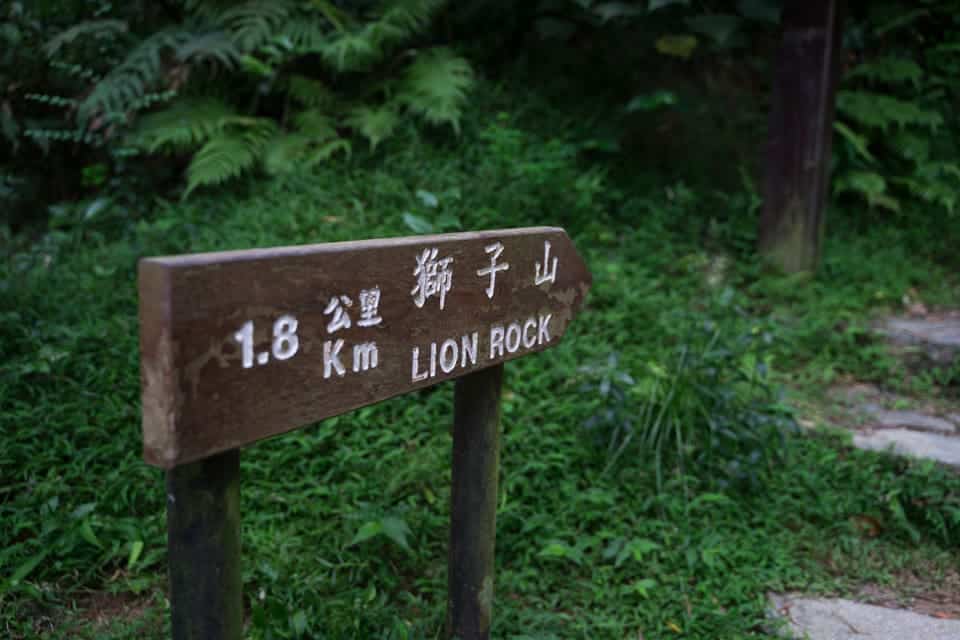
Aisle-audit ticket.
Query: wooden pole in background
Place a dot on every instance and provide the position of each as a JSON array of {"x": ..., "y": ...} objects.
[
  {"x": 203, "y": 542},
  {"x": 473, "y": 508},
  {"x": 797, "y": 167}
]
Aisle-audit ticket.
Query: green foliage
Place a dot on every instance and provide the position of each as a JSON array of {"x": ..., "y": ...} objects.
[
  {"x": 231, "y": 151},
  {"x": 345, "y": 523},
  {"x": 707, "y": 406},
  {"x": 181, "y": 81},
  {"x": 895, "y": 115},
  {"x": 273, "y": 37},
  {"x": 435, "y": 86}
]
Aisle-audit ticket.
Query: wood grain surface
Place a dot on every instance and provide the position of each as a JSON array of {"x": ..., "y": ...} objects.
[{"x": 242, "y": 345}]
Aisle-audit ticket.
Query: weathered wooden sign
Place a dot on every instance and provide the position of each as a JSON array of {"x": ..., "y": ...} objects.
[{"x": 238, "y": 346}]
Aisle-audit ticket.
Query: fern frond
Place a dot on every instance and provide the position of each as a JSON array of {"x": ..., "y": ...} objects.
[
  {"x": 327, "y": 150},
  {"x": 310, "y": 92},
  {"x": 373, "y": 123},
  {"x": 215, "y": 46},
  {"x": 316, "y": 124},
  {"x": 401, "y": 19},
  {"x": 185, "y": 125},
  {"x": 229, "y": 154},
  {"x": 929, "y": 186},
  {"x": 79, "y": 30},
  {"x": 309, "y": 34},
  {"x": 435, "y": 86},
  {"x": 888, "y": 70},
  {"x": 857, "y": 142},
  {"x": 253, "y": 23},
  {"x": 293, "y": 151},
  {"x": 880, "y": 111},
  {"x": 286, "y": 152},
  {"x": 351, "y": 50},
  {"x": 131, "y": 78}
]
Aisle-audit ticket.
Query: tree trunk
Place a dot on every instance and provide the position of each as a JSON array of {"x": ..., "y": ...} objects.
[{"x": 801, "y": 130}]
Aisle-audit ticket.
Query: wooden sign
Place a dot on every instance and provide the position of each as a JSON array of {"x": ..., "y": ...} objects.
[{"x": 238, "y": 346}]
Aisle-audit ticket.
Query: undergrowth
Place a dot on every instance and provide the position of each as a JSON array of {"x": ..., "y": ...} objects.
[{"x": 345, "y": 522}]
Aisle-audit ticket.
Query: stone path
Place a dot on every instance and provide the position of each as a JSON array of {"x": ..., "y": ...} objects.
[
  {"x": 883, "y": 421},
  {"x": 937, "y": 337},
  {"x": 838, "y": 619}
]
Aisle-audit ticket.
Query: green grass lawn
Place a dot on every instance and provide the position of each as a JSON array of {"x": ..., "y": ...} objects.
[{"x": 597, "y": 536}]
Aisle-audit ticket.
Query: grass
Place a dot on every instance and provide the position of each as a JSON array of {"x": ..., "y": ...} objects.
[{"x": 587, "y": 546}]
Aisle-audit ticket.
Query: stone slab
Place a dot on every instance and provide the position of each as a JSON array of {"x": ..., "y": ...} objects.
[
  {"x": 839, "y": 619},
  {"x": 908, "y": 419},
  {"x": 939, "y": 337},
  {"x": 912, "y": 443}
]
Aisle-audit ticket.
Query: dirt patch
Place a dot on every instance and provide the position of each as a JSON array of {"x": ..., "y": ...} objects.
[
  {"x": 95, "y": 613},
  {"x": 101, "y": 608},
  {"x": 916, "y": 593}
]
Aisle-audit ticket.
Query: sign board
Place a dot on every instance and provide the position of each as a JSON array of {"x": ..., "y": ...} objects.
[{"x": 242, "y": 345}]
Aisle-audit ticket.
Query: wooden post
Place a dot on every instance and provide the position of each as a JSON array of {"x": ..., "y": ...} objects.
[
  {"x": 203, "y": 541},
  {"x": 801, "y": 129},
  {"x": 473, "y": 509}
]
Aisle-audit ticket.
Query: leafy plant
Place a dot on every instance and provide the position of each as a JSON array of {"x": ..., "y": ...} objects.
[
  {"x": 895, "y": 123},
  {"x": 273, "y": 41},
  {"x": 234, "y": 85},
  {"x": 709, "y": 407}
]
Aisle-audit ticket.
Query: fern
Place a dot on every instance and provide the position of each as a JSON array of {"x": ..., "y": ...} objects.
[
  {"x": 286, "y": 152},
  {"x": 131, "y": 78},
  {"x": 262, "y": 40},
  {"x": 912, "y": 147},
  {"x": 309, "y": 35},
  {"x": 401, "y": 19},
  {"x": 316, "y": 123},
  {"x": 310, "y": 92},
  {"x": 351, "y": 50},
  {"x": 857, "y": 142},
  {"x": 231, "y": 152},
  {"x": 185, "y": 125},
  {"x": 888, "y": 70},
  {"x": 253, "y": 23},
  {"x": 83, "y": 29},
  {"x": 880, "y": 111},
  {"x": 872, "y": 186},
  {"x": 294, "y": 151},
  {"x": 435, "y": 86},
  {"x": 374, "y": 124},
  {"x": 215, "y": 46}
]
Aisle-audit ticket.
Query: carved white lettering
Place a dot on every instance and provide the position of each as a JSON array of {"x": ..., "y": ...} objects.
[
  {"x": 494, "y": 250},
  {"x": 529, "y": 338},
  {"x": 434, "y": 277},
  {"x": 331, "y": 358},
  {"x": 545, "y": 273},
  {"x": 513, "y": 337},
  {"x": 365, "y": 356},
  {"x": 543, "y": 329},
  {"x": 370, "y": 308},
  {"x": 496, "y": 341},
  {"x": 448, "y": 355},
  {"x": 416, "y": 376},
  {"x": 468, "y": 348}
]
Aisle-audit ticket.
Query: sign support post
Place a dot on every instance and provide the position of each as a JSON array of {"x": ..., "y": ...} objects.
[
  {"x": 473, "y": 504},
  {"x": 203, "y": 544}
]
